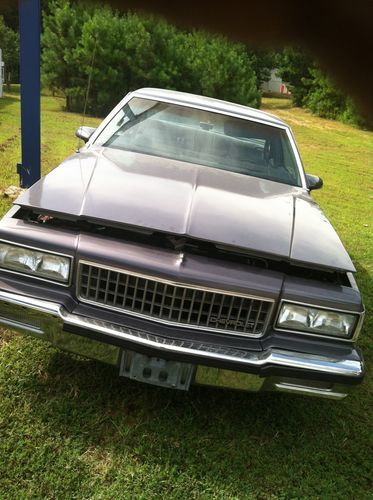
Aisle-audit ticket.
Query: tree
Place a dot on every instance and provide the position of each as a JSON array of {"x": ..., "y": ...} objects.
[
  {"x": 212, "y": 66},
  {"x": 313, "y": 89},
  {"x": 262, "y": 62},
  {"x": 9, "y": 43},
  {"x": 62, "y": 31},
  {"x": 10, "y": 17},
  {"x": 295, "y": 67},
  {"x": 326, "y": 100},
  {"x": 123, "y": 52}
]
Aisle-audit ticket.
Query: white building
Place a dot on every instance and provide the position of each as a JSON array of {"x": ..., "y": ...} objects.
[{"x": 275, "y": 85}]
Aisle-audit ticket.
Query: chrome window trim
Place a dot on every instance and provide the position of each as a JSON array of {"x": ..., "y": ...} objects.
[
  {"x": 355, "y": 335},
  {"x": 177, "y": 284},
  {"x": 297, "y": 156},
  {"x": 20, "y": 273}
]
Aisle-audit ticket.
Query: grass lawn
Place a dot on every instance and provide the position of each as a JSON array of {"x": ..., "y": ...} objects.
[{"x": 71, "y": 428}]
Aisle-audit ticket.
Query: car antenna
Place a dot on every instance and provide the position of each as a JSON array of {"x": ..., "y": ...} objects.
[{"x": 88, "y": 88}]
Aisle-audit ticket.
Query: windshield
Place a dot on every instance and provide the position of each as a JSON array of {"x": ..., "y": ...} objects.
[{"x": 202, "y": 137}]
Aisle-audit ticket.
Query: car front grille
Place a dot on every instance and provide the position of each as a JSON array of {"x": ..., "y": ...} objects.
[{"x": 166, "y": 302}]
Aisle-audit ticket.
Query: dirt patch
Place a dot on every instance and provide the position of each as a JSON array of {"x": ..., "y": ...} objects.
[{"x": 8, "y": 142}]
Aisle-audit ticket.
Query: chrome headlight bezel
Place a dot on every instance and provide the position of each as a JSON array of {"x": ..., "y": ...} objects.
[
  {"x": 43, "y": 252},
  {"x": 309, "y": 332}
]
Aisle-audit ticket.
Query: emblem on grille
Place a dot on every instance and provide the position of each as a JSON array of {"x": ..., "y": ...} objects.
[{"x": 223, "y": 321}]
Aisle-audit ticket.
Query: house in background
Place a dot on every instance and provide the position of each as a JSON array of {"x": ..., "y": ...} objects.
[{"x": 275, "y": 85}]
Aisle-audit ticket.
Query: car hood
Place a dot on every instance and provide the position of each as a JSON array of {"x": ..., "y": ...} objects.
[{"x": 133, "y": 189}]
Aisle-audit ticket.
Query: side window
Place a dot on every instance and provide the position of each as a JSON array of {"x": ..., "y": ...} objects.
[
  {"x": 114, "y": 126},
  {"x": 130, "y": 111},
  {"x": 138, "y": 106}
]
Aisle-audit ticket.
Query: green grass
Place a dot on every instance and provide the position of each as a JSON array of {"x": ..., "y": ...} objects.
[{"x": 71, "y": 428}]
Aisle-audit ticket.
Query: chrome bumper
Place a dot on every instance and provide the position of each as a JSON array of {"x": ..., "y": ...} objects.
[{"x": 47, "y": 320}]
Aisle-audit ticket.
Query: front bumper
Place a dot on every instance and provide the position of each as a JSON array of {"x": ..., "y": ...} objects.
[{"x": 271, "y": 369}]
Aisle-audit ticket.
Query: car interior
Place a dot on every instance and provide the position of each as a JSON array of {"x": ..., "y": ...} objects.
[{"x": 210, "y": 139}]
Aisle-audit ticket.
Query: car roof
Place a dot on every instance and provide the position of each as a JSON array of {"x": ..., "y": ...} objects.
[{"x": 209, "y": 103}]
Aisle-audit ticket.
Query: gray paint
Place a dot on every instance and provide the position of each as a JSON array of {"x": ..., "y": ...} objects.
[
  {"x": 198, "y": 270},
  {"x": 325, "y": 294},
  {"x": 110, "y": 185},
  {"x": 38, "y": 236},
  {"x": 315, "y": 241},
  {"x": 193, "y": 269}
]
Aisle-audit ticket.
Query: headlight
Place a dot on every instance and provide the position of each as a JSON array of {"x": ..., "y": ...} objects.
[
  {"x": 320, "y": 321},
  {"x": 40, "y": 264}
]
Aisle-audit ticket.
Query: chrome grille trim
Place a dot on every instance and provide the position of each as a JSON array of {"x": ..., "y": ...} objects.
[{"x": 172, "y": 303}]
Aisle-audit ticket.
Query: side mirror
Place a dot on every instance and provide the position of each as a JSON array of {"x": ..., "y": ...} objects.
[
  {"x": 314, "y": 182},
  {"x": 84, "y": 133}
]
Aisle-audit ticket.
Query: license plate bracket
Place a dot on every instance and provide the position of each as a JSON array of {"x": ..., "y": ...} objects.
[{"x": 156, "y": 371}]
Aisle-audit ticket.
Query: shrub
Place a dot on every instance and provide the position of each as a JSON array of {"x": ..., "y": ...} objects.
[
  {"x": 313, "y": 89},
  {"x": 125, "y": 52},
  {"x": 326, "y": 100}
]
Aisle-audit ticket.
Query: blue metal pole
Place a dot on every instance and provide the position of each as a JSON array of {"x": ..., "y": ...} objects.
[{"x": 29, "y": 27}]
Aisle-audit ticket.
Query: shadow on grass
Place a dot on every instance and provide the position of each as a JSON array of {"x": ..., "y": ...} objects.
[
  {"x": 106, "y": 428},
  {"x": 221, "y": 433},
  {"x": 8, "y": 99}
]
